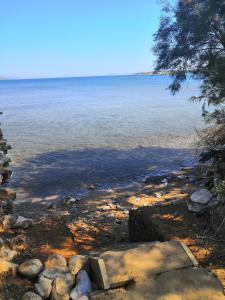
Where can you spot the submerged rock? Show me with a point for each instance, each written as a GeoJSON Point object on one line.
{"type": "Point", "coordinates": [31, 268]}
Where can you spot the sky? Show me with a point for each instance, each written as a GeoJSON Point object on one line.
{"type": "Point", "coordinates": [66, 38]}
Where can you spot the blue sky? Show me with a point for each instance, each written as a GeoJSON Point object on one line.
{"type": "Point", "coordinates": [57, 38]}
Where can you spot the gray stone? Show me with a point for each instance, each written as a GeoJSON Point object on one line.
{"type": "Point", "coordinates": [44, 286]}
{"type": "Point", "coordinates": [195, 207]}
{"type": "Point", "coordinates": [31, 268]}
{"type": "Point", "coordinates": [202, 196]}
{"type": "Point", "coordinates": [61, 287]}
{"type": "Point", "coordinates": [83, 286]}
{"type": "Point", "coordinates": [31, 296]}
{"type": "Point", "coordinates": [23, 223]}
{"type": "Point", "coordinates": [76, 263]}
{"type": "Point", "coordinates": [56, 261]}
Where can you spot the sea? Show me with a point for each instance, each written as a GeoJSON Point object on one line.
{"type": "Point", "coordinates": [69, 133]}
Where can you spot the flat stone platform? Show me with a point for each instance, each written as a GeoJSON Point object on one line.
{"type": "Point", "coordinates": [157, 270]}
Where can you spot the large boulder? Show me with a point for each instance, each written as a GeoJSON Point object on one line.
{"type": "Point", "coordinates": [202, 196]}
{"type": "Point", "coordinates": [199, 200]}
{"type": "Point", "coordinates": [31, 268]}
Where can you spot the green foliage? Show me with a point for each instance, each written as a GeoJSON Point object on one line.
{"type": "Point", "coordinates": [190, 41]}
{"type": "Point", "coordinates": [219, 188]}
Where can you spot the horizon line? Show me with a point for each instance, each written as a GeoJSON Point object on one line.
{"type": "Point", "coordinates": [2, 78]}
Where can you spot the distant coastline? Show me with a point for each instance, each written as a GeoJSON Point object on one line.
{"type": "Point", "coordinates": [154, 73]}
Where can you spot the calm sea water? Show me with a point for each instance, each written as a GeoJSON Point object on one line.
{"type": "Point", "coordinates": [69, 132]}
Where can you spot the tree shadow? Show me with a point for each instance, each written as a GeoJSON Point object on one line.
{"type": "Point", "coordinates": [52, 175]}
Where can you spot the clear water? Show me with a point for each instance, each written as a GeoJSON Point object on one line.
{"type": "Point", "coordinates": [69, 132]}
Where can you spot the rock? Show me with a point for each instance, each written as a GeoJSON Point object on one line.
{"type": "Point", "coordinates": [76, 263]}
{"type": "Point", "coordinates": [84, 297]}
{"type": "Point", "coordinates": [154, 179]}
{"type": "Point", "coordinates": [7, 254]}
{"type": "Point", "coordinates": [31, 296]}
{"type": "Point", "coordinates": [44, 286]}
{"type": "Point", "coordinates": [56, 261]}
{"type": "Point", "coordinates": [22, 223]}
{"type": "Point", "coordinates": [195, 207]}
{"type": "Point", "coordinates": [91, 187]}
{"type": "Point", "coordinates": [83, 286]}
{"type": "Point", "coordinates": [52, 273]}
{"type": "Point", "coordinates": [61, 287]}
{"type": "Point", "coordinates": [8, 267]}
{"type": "Point", "coordinates": [202, 196]}
{"type": "Point", "coordinates": [31, 268]}
{"type": "Point", "coordinates": [8, 221]}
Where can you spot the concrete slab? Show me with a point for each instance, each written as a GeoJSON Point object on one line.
{"type": "Point", "coordinates": [160, 271]}
{"type": "Point", "coordinates": [183, 284]}
{"type": "Point", "coordinates": [143, 260]}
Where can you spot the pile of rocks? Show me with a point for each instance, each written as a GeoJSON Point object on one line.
{"type": "Point", "coordinates": [57, 280]}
